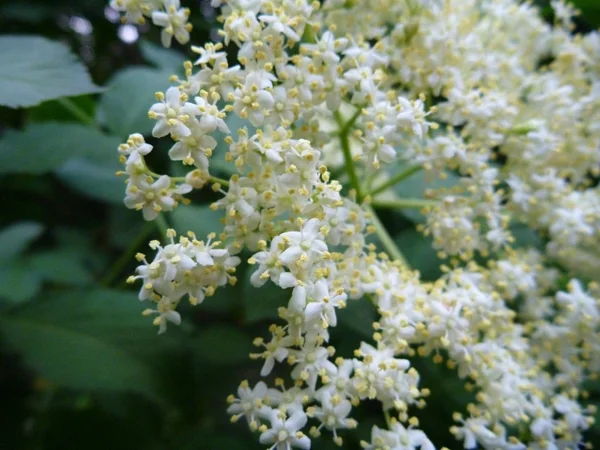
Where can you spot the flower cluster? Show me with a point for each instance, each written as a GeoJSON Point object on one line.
{"type": "Point", "coordinates": [335, 97]}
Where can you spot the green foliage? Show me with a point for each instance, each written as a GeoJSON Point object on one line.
{"type": "Point", "coordinates": [35, 69]}
{"type": "Point", "coordinates": [84, 340]}
{"type": "Point", "coordinates": [124, 107]}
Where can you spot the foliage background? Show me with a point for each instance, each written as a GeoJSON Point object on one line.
{"type": "Point", "coordinates": [79, 366]}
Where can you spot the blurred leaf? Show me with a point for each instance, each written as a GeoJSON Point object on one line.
{"type": "Point", "coordinates": [161, 57]}
{"type": "Point", "coordinates": [19, 283]}
{"type": "Point", "coordinates": [417, 185]}
{"type": "Point", "coordinates": [15, 238]}
{"type": "Point", "coordinates": [419, 253]}
{"type": "Point", "coordinates": [26, 11]}
{"type": "Point", "coordinates": [124, 107]}
{"type": "Point", "coordinates": [56, 110]}
{"type": "Point", "coordinates": [44, 147]}
{"type": "Point", "coordinates": [86, 340]}
{"type": "Point", "coordinates": [95, 180]}
{"type": "Point", "coordinates": [221, 344]}
{"type": "Point", "coordinates": [200, 219]}
{"type": "Point", "coordinates": [358, 316]}
{"type": "Point", "coordinates": [125, 224]}
{"type": "Point", "coordinates": [61, 266]}
{"type": "Point", "coordinates": [262, 303]}
{"type": "Point", "coordinates": [590, 10]}
{"type": "Point", "coordinates": [35, 69]}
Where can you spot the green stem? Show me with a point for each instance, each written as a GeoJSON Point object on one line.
{"type": "Point", "coordinates": [403, 203]}
{"type": "Point", "coordinates": [388, 420]}
{"type": "Point", "coordinates": [162, 224]}
{"type": "Point", "coordinates": [345, 143]}
{"type": "Point", "coordinates": [396, 179]}
{"type": "Point", "coordinates": [76, 110]}
{"type": "Point", "coordinates": [388, 243]}
{"type": "Point", "coordinates": [117, 268]}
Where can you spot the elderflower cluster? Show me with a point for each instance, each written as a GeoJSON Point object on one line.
{"type": "Point", "coordinates": [340, 101]}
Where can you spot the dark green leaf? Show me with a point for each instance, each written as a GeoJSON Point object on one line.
{"type": "Point", "coordinates": [359, 316]}
{"type": "Point", "coordinates": [19, 283]}
{"type": "Point", "coordinates": [95, 180]}
{"type": "Point", "coordinates": [35, 69]}
{"type": "Point", "coordinates": [62, 266]}
{"type": "Point", "coordinates": [44, 147]}
{"type": "Point", "coordinates": [221, 344]}
{"type": "Point", "coordinates": [86, 340]}
{"type": "Point", "coordinates": [15, 238]}
{"type": "Point", "coordinates": [262, 303]}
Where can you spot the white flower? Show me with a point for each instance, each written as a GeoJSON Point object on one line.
{"type": "Point", "coordinates": [173, 114]}
{"type": "Point", "coordinates": [286, 434]}
{"type": "Point", "coordinates": [165, 308]}
{"type": "Point", "coordinates": [250, 403]}
{"type": "Point", "coordinates": [303, 245]}
{"type": "Point", "coordinates": [321, 304]}
{"type": "Point", "coordinates": [153, 197]}
{"type": "Point", "coordinates": [173, 21]}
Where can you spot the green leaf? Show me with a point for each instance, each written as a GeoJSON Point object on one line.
{"type": "Point", "coordinates": [35, 69]}
{"type": "Point", "coordinates": [359, 316]}
{"type": "Point", "coordinates": [98, 181]}
{"type": "Point", "coordinates": [419, 253]}
{"type": "Point", "coordinates": [262, 303]}
{"type": "Point", "coordinates": [44, 147]}
{"type": "Point", "coordinates": [221, 344]}
{"type": "Point", "coordinates": [18, 283]}
{"type": "Point", "coordinates": [15, 238]}
{"type": "Point", "coordinates": [93, 340]}
{"type": "Point", "coordinates": [200, 219]}
{"type": "Point", "coordinates": [62, 266]}
{"type": "Point", "coordinates": [80, 109]}
{"type": "Point", "coordinates": [124, 107]}
{"type": "Point", "coordinates": [163, 58]}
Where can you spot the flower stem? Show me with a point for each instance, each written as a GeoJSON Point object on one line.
{"type": "Point", "coordinates": [162, 224]}
{"type": "Point", "coordinates": [403, 203]}
{"type": "Point", "coordinates": [345, 143]}
{"type": "Point", "coordinates": [396, 179]}
{"type": "Point", "coordinates": [387, 241]}
{"type": "Point", "coordinates": [116, 269]}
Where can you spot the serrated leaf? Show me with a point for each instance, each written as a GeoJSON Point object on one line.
{"type": "Point", "coordinates": [93, 340]}
{"type": "Point", "coordinates": [163, 58]}
{"type": "Point", "coordinates": [15, 238]}
{"type": "Point", "coordinates": [124, 107]}
{"type": "Point", "coordinates": [35, 69]}
{"type": "Point", "coordinates": [200, 219]}
{"type": "Point", "coordinates": [221, 344]}
{"type": "Point", "coordinates": [44, 147]}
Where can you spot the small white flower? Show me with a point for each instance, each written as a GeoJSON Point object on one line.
{"type": "Point", "coordinates": [173, 21]}
{"type": "Point", "coordinates": [286, 434]}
